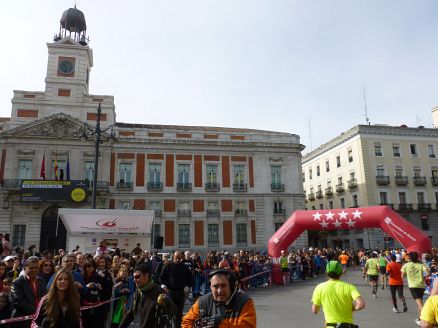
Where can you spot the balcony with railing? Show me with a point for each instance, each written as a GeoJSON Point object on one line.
{"type": "Point", "coordinates": [328, 192]}
{"type": "Point", "coordinates": [184, 213]}
{"type": "Point", "coordinates": [158, 213]}
{"type": "Point", "coordinates": [183, 186]}
{"type": "Point", "coordinates": [11, 184]}
{"type": "Point", "coordinates": [240, 187]}
{"type": "Point", "coordinates": [213, 213]}
{"type": "Point", "coordinates": [382, 180]}
{"type": "Point", "coordinates": [424, 207]}
{"type": "Point", "coordinates": [405, 207]}
{"type": "Point", "coordinates": [124, 185]}
{"type": "Point", "coordinates": [434, 181]}
{"type": "Point", "coordinates": [401, 180]}
{"type": "Point", "coordinates": [155, 186]}
{"type": "Point", "coordinates": [279, 211]}
{"type": "Point", "coordinates": [340, 188]}
{"type": "Point", "coordinates": [319, 194]}
{"type": "Point", "coordinates": [240, 212]}
{"type": "Point", "coordinates": [277, 187]}
{"type": "Point", "coordinates": [352, 184]}
{"type": "Point", "coordinates": [391, 206]}
{"type": "Point", "coordinates": [311, 196]}
{"type": "Point", "coordinates": [212, 186]}
{"type": "Point", "coordinates": [420, 181]}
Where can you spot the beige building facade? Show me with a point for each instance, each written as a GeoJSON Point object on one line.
{"type": "Point", "coordinates": [210, 187]}
{"type": "Point", "coordinates": [371, 165]}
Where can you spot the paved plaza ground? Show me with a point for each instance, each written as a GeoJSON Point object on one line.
{"type": "Point", "coordinates": [290, 306]}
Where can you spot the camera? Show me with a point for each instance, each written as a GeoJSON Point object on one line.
{"type": "Point", "coordinates": [209, 322]}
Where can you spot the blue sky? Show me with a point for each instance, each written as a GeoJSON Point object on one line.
{"type": "Point", "coordinates": [271, 65]}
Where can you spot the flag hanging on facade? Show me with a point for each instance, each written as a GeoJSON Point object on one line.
{"type": "Point", "coordinates": [43, 167]}
{"type": "Point", "coordinates": [68, 167]}
{"type": "Point", "coordinates": [55, 169]}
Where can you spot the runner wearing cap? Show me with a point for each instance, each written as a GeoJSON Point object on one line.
{"type": "Point", "coordinates": [338, 298]}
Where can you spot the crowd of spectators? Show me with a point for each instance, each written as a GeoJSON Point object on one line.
{"type": "Point", "coordinates": [106, 275]}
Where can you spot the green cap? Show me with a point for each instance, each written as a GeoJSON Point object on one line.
{"type": "Point", "coordinates": [334, 266]}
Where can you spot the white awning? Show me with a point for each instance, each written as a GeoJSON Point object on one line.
{"type": "Point", "coordinates": [79, 221]}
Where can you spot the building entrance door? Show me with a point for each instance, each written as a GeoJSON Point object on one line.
{"type": "Point", "coordinates": [49, 237]}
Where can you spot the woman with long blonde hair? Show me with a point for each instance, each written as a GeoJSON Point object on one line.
{"type": "Point", "coordinates": [60, 307]}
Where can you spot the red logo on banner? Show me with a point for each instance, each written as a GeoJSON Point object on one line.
{"type": "Point", "coordinates": [107, 223]}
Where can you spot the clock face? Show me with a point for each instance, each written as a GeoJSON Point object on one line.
{"type": "Point", "coordinates": [66, 67]}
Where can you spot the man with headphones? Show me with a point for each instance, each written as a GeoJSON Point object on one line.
{"type": "Point", "coordinates": [338, 299]}
{"type": "Point", "coordinates": [225, 306]}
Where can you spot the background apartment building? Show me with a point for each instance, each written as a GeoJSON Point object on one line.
{"type": "Point", "coordinates": [220, 188]}
{"type": "Point", "coordinates": [371, 165]}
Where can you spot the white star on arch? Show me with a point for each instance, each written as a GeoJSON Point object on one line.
{"type": "Point", "coordinates": [337, 224]}
{"type": "Point", "coordinates": [324, 224]}
{"type": "Point", "coordinates": [316, 216]}
{"type": "Point", "coordinates": [357, 214]}
{"type": "Point", "coordinates": [329, 215]}
{"type": "Point", "coordinates": [343, 215]}
{"type": "Point", "coordinates": [350, 223]}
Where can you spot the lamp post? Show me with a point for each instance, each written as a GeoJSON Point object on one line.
{"type": "Point", "coordinates": [97, 132]}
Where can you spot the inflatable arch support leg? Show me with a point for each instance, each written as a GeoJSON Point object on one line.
{"type": "Point", "coordinates": [409, 236]}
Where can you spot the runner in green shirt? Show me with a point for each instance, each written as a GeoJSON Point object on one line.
{"type": "Point", "coordinates": [337, 298]}
{"type": "Point", "coordinates": [372, 270]}
{"type": "Point", "coordinates": [383, 262]}
{"type": "Point", "coordinates": [415, 271]}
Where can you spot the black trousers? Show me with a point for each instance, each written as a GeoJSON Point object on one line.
{"type": "Point", "coordinates": [177, 297]}
{"type": "Point", "coordinates": [399, 290]}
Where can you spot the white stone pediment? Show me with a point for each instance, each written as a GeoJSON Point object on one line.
{"type": "Point", "coordinates": [58, 125]}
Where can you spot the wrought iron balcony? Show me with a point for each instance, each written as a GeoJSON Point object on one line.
{"type": "Point", "coordinates": [155, 186]}
{"type": "Point", "coordinates": [328, 192]}
{"type": "Point", "coordinates": [280, 211]}
{"type": "Point", "coordinates": [434, 181]}
{"type": "Point", "coordinates": [382, 180]}
{"type": "Point", "coordinates": [101, 185]}
{"type": "Point", "coordinates": [183, 186]}
{"type": "Point", "coordinates": [11, 184]}
{"type": "Point", "coordinates": [121, 185]}
{"type": "Point", "coordinates": [277, 187]}
{"type": "Point", "coordinates": [311, 196]}
{"type": "Point", "coordinates": [404, 207]}
{"type": "Point", "coordinates": [424, 207]}
{"type": "Point", "coordinates": [401, 180]}
{"type": "Point", "coordinates": [213, 213]}
{"type": "Point", "coordinates": [420, 181]}
{"type": "Point", "coordinates": [340, 188]}
{"type": "Point", "coordinates": [391, 206]}
{"type": "Point", "coordinates": [352, 184]}
{"type": "Point", "coordinates": [212, 186]}
{"type": "Point", "coordinates": [319, 194]}
{"type": "Point", "coordinates": [241, 212]}
{"type": "Point", "coordinates": [240, 187]}
{"type": "Point", "coordinates": [184, 213]}
{"type": "Point", "coordinates": [158, 212]}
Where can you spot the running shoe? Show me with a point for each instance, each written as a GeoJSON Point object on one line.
{"type": "Point", "coordinates": [383, 286]}
{"type": "Point", "coordinates": [405, 307]}
{"type": "Point", "coordinates": [418, 322]}
{"type": "Point", "coordinates": [395, 310]}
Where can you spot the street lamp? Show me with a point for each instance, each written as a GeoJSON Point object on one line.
{"type": "Point", "coordinates": [97, 132]}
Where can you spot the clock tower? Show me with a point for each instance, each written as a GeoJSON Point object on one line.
{"type": "Point", "coordinates": [70, 60]}
{"type": "Point", "coordinates": [67, 80]}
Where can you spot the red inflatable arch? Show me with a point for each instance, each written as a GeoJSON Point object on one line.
{"type": "Point", "coordinates": [410, 237]}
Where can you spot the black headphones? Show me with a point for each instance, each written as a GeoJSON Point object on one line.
{"type": "Point", "coordinates": [232, 279]}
